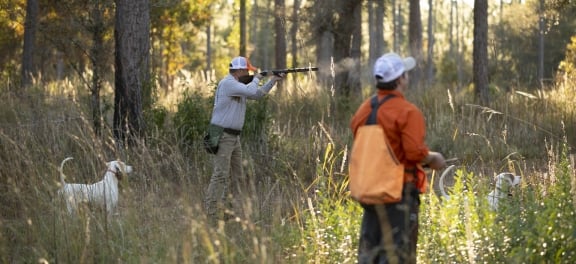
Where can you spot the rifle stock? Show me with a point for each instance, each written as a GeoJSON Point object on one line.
{"type": "Point", "coordinates": [248, 78]}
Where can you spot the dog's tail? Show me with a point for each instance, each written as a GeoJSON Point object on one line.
{"type": "Point", "coordinates": [62, 176]}
{"type": "Point", "coordinates": [441, 181]}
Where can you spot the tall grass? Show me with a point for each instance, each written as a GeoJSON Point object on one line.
{"type": "Point", "coordinates": [293, 207]}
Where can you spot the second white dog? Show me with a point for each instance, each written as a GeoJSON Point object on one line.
{"type": "Point", "coordinates": [103, 194]}
{"type": "Point", "coordinates": [504, 183]}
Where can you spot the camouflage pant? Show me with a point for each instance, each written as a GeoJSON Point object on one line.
{"type": "Point", "coordinates": [389, 232]}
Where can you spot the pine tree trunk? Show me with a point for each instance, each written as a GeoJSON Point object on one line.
{"type": "Point", "coordinates": [132, 76]}
{"type": "Point", "coordinates": [415, 39]}
{"type": "Point", "coordinates": [28, 71]}
{"type": "Point", "coordinates": [480, 53]}
{"type": "Point", "coordinates": [430, 60]}
{"type": "Point", "coordinates": [294, 36]}
{"type": "Point", "coordinates": [96, 53]}
{"type": "Point", "coordinates": [280, 40]}
{"type": "Point", "coordinates": [242, 51]}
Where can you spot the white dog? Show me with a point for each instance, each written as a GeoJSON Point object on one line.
{"type": "Point", "coordinates": [504, 183]}
{"type": "Point", "coordinates": [103, 193]}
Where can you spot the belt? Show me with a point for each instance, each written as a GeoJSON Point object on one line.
{"type": "Point", "coordinates": [233, 131]}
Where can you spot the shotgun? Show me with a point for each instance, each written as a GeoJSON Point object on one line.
{"type": "Point", "coordinates": [248, 78]}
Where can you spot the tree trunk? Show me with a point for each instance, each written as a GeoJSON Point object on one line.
{"type": "Point", "coordinates": [372, 54]}
{"type": "Point", "coordinates": [480, 53]}
{"type": "Point", "coordinates": [208, 48]}
{"type": "Point", "coordinates": [324, 41]}
{"type": "Point", "coordinates": [415, 39]}
{"type": "Point", "coordinates": [132, 76]}
{"type": "Point", "coordinates": [96, 54]}
{"type": "Point", "coordinates": [294, 36]}
{"type": "Point", "coordinates": [541, 29]}
{"type": "Point", "coordinates": [344, 33]}
{"type": "Point", "coordinates": [380, 44]}
{"type": "Point", "coordinates": [376, 36]}
{"type": "Point", "coordinates": [458, 55]}
{"type": "Point", "coordinates": [242, 28]}
{"type": "Point", "coordinates": [398, 24]}
{"type": "Point", "coordinates": [28, 69]}
{"type": "Point", "coordinates": [354, 74]}
{"type": "Point", "coordinates": [430, 63]}
{"type": "Point", "coordinates": [451, 48]}
{"type": "Point", "coordinates": [280, 40]}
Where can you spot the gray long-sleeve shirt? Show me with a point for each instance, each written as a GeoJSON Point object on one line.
{"type": "Point", "coordinates": [230, 100]}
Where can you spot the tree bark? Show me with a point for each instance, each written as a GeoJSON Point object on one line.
{"type": "Point", "coordinates": [458, 47]}
{"type": "Point", "coordinates": [208, 48]}
{"type": "Point", "coordinates": [354, 73]}
{"type": "Point", "coordinates": [132, 76]}
{"type": "Point", "coordinates": [480, 53]}
{"type": "Point", "coordinates": [242, 51]}
{"type": "Point", "coordinates": [30, 24]}
{"type": "Point", "coordinates": [398, 23]}
{"type": "Point", "coordinates": [344, 32]}
{"type": "Point", "coordinates": [294, 36]}
{"type": "Point", "coordinates": [430, 60]}
{"type": "Point", "coordinates": [280, 38]}
{"type": "Point", "coordinates": [541, 29]}
{"type": "Point", "coordinates": [324, 38]}
{"type": "Point", "coordinates": [97, 29]}
{"type": "Point", "coordinates": [375, 20]}
{"type": "Point", "coordinates": [415, 40]}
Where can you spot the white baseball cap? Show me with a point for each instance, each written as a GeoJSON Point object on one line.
{"type": "Point", "coordinates": [241, 63]}
{"type": "Point", "coordinates": [390, 66]}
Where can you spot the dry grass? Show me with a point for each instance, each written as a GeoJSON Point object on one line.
{"type": "Point", "coordinates": [299, 167]}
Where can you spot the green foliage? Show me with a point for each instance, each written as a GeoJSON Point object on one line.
{"type": "Point", "coordinates": [528, 228]}
{"type": "Point", "coordinates": [257, 122]}
{"type": "Point", "coordinates": [553, 233]}
{"type": "Point", "coordinates": [517, 35]}
{"type": "Point", "coordinates": [192, 118]}
{"type": "Point", "coordinates": [296, 209]}
{"type": "Point", "coordinates": [156, 118]}
{"type": "Point", "coordinates": [455, 227]}
{"type": "Point", "coordinates": [331, 220]}
{"type": "Point", "coordinates": [568, 65]}
{"type": "Point", "coordinates": [11, 30]}
{"type": "Point", "coordinates": [175, 25]}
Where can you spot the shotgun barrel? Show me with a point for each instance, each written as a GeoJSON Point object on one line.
{"type": "Point", "coordinates": [248, 78]}
{"type": "Point", "coordinates": [290, 70]}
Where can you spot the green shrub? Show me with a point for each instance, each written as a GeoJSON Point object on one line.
{"type": "Point", "coordinates": [551, 232]}
{"type": "Point", "coordinates": [192, 118]}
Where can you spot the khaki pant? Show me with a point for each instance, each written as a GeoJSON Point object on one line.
{"type": "Point", "coordinates": [227, 171]}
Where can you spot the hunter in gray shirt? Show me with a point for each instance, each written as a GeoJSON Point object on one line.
{"type": "Point", "coordinates": [225, 128]}
{"type": "Point", "coordinates": [230, 100]}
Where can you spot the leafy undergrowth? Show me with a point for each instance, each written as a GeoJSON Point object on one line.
{"type": "Point", "coordinates": [294, 206]}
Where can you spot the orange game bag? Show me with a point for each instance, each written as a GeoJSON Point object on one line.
{"type": "Point", "coordinates": [376, 175]}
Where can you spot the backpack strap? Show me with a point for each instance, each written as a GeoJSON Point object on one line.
{"type": "Point", "coordinates": [375, 105]}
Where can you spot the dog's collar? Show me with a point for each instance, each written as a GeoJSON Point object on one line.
{"type": "Point", "coordinates": [117, 174]}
